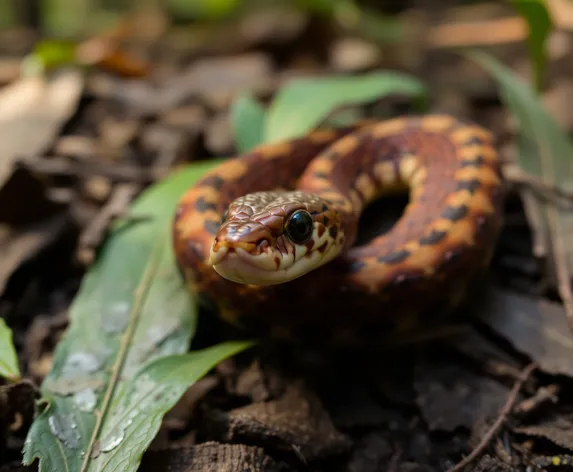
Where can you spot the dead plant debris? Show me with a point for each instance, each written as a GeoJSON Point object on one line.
{"type": "Point", "coordinates": [78, 147]}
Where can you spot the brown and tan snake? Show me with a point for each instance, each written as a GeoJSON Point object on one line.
{"type": "Point", "coordinates": [268, 237]}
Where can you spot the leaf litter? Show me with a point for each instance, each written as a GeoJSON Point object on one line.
{"type": "Point", "coordinates": [398, 430]}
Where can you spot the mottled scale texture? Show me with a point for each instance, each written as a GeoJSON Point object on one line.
{"type": "Point", "coordinates": [411, 276]}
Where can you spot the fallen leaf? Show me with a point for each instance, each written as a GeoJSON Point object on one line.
{"type": "Point", "coordinates": [451, 396]}
{"type": "Point", "coordinates": [120, 366]}
{"type": "Point", "coordinates": [297, 420]}
{"type": "Point", "coordinates": [303, 103]}
{"type": "Point", "coordinates": [135, 414]}
{"type": "Point", "coordinates": [32, 113]}
{"type": "Point", "coordinates": [535, 327]}
{"type": "Point", "coordinates": [558, 430]}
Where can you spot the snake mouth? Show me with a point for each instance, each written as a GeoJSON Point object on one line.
{"type": "Point", "coordinates": [240, 266]}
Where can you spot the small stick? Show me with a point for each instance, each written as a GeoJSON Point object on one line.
{"type": "Point", "coordinates": [542, 396]}
{"type": "Point", "coordinates": [61, 166]}
{"type": "Point", "coordinates": [518, 177]}
{"type": "Point", "coordinates": [116, 206]}
{"type": "Point", "coordinates": [511, 399]}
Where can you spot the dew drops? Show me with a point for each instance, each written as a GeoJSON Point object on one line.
{"type": "Point", "coordinates": [144, 383]}
{"type": "Point", "coordinates": [158, 333]}
{"type": "Point", "coordinates": [80, 363]}
{"type": "Point", "coordinates": [120, 308]}
{"type": "Point", "coordinates": [85, 400]}
{"type": "Point", "coordinates": [112, 440]}
{"type": "Point", "coordinates": [117, 317]}
{"type": "Point", "coordinates": [65, 429]}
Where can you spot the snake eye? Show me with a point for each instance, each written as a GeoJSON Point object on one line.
{"type": "Point", "coordinates": [225, 215]}
{"type": "Point", "coordinates": [299, 227]}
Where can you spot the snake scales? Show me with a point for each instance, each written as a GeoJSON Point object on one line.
{"type": "Point", "coordinates": [269, 237]}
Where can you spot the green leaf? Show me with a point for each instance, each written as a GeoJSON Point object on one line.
{"type": "Point", "coordinates": [53, 53]}
{"type": "Point", "coordinates": [541, 137]}
{"type": "Point", "coordinates": [247, 120]}
{"type": "Point", "coordinates": [135, 414]}
{"type": "Point", "coordinates": [8, 358]}
{"type": "Point", "coordinates": [132, 309]}
{"type": "Point", "coordinates": [545, 150]}
{"type": "Point", "coordinates": [539, 23]}
{"type": "Point", "coordinates": [303, 103]}
{"type": "Point", "coordinates": [203, 9]}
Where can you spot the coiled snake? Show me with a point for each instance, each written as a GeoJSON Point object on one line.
{"type": "Point", "coordinates": [269, 237]}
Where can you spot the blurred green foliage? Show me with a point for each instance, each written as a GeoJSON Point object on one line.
{"type": "Point", "coordinates": [7, 17]}
{"type": "Point", "coordinates": [203, 9]}
{"type": "Point", "coordinates": [78, 18]}
{"type": "Point", "coordinates": [538, 19]}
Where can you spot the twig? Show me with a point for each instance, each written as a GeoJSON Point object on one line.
{"type": "Point", "coordinates": [61, 166]}
{"type": "Point", "coordinates": [511, 399]}
{"type": "Point", "coordinates": [542, 396]}
{"type": "Point", "coordinates": [92, 236]}
{"type": "Point", "coordinates": [516, 175]}
{"type": "Point", "coordinates": [499, 31]}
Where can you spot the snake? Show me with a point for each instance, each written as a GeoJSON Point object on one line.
{"type": "Point", "coordinates": [268, 238]}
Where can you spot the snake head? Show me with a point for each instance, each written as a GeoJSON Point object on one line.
{"type": "Point", "coordinates": [268, 238]}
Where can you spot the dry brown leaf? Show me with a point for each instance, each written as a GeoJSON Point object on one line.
{"type": "Point", "coordinates": [32, 112]}
{"type": "Point", "coordinates": [537, 328]}
{"type": "Point", "coordinates": [295, 421]}
{"type": "Point", "coordinates": [558, 430]}
{"type": "Point", "coordinates": [451, 396]}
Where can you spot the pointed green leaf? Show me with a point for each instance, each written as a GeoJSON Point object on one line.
{"type": "Point", "coordinates": [545, 150]}
{"type": "Point", "coordinates": [247, 121]}
{"type": "Point", "coordinates": [539, 23]}
{"type": "Point", "coordinates": [8, 358]}
{"type": "Point", "coordinates": [541, 137]}
{"type": "Point", "coordinates": [132, 309]}
{"type": "Point", "coordinates": [137, 408]}
{"type": "Point", "coordinates": [303, 103]}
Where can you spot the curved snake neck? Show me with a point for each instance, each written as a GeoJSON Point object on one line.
{"type": "Point", "coordinates": [424, 264]}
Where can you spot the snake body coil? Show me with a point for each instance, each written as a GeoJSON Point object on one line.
{"type": "Point", "coordinates": [269, 236]}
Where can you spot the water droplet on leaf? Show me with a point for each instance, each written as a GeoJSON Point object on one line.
{"type": "Point", "coordinates": [80, 363]}
{"type": "Point", "coordinates": [112, 440]}
{"type": "Point", "coordinates": [65, 429]}
{"type": "Point", "coordinates": [116, 317]}
{"type": "Point", "coordinates": [85, 400]}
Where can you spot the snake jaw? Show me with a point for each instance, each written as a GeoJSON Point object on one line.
{"type": "Point", "coordinates": [277, 262]}
{"type": "Point", "coordinates": [217, 254]}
